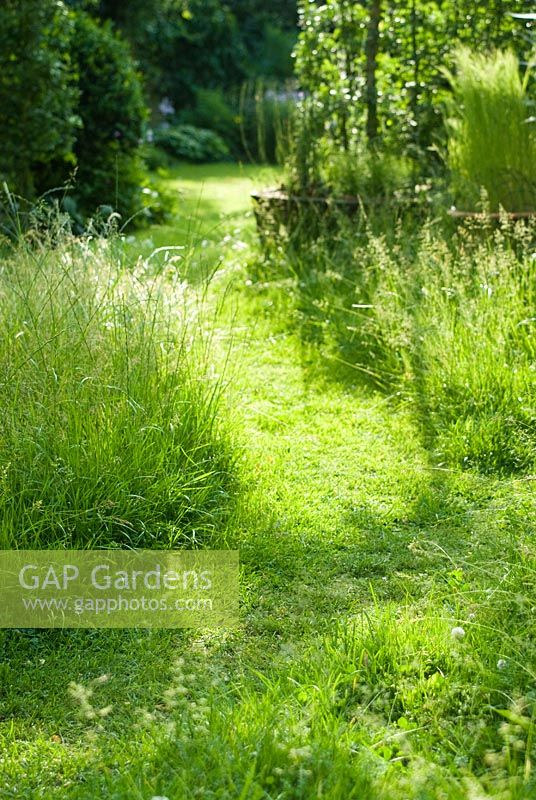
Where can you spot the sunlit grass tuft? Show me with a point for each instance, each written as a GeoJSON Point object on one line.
{"type": "Point", "coordinates": [109, 434]}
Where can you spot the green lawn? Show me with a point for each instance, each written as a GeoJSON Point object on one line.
{"type": "Point", "coordinates": [348, 676]}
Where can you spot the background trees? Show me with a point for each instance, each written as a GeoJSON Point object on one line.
{"type": "Point", "coordinates": [335, 53]}
{"type": "Point", "coordinates": [76, 78]}
{"type": "Point", "coordinates": [186, 45]}
{"type": "Point", "coordinates": [77, 75]}
{"type": "Point", "coordinates": [374, 73]}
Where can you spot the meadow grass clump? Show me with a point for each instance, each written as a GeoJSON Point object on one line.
{"type": "Point", "coordinates": [466, 339]}
{"type": "Point", "coordinates": [109, 431]}
{"type": "Point", "coordinates": [492, 143]}
{"type": "Point", "coordinates": [445, 323]}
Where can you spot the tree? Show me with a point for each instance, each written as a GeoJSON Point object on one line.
{"type": "Point", "coordinates": [371, 51]}
{"type": "Point", "coordinates": [185, 45]}
{"type": "Point", "coordinates": [374, 67]}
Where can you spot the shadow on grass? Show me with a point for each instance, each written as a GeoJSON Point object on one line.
{"type": "Point", "coordinates": [394, 555]}
{"type": "Point", "coordinates": [295, 582]}
{"type": "Point", "coordinates": [359, 328]}
{"type": "Point", "coordinates": [296, 585]}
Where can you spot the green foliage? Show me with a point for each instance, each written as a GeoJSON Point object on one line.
{"type": "Point", "coordinates": [250, 119]}
{"type": "Point", "coordinates": [415, 37]}
{"type": "Point", "coordinates": [419, 36]}
{"type": "Point", "coordinates": [198, 54]}
{"type": "Point", "coordinates": [109, 429]}
{"type": "Point", "coordinates": [492, 143]}
{"type": "Point", "coordinates": [468, 316]}
{"type": "Point", "coordinates": [264, 115]}
{"type": "Point", "coordinates": [273, 58]}
{"type": "Point", "coordinates": [72, 104]}
{"type": "Point", "coordinates": [214, 109]}
{"type": "Point", "coordinates": [112, 111]}
{"type": "Point", "coordinates": [375, 175]}
{"type": "Point", "coordinates": [197, 145]}
{"type": "Point", "coordinates": [184, 45]}
{"type": "Point", "coordinates": [254, 15]}
{"type": "Point", "coordinates": [38, 91]}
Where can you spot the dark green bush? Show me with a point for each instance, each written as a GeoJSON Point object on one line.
{"type": "Point", "coordinates": [112, 111]}
{"type": "Point", "coordinates": [71, 102]}
{"type": "Point", "coordinates": [192, 144]}
{"type": "Point", "coordinates": [249, 118]}
{"type": "Point", "coordinates": [274, 55]}
{"type": "Point", "coordinates": [38, 93]}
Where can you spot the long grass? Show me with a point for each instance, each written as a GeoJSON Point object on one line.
{"type": "Point", "coordinates": [109, 433]}
{"type": "Point", "coordinates": [471, 348]}
{"type": "Point", "coordinates": [492, 142]}
{"type": "Point", "coordinates": [445, 324]}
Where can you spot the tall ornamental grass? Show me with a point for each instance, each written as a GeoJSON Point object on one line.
{"type": "Point", "coordinates": [492, 142]}
{"type": "Point", "coordinates": [109, 423]}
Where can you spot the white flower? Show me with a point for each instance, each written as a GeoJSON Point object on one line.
{"type": "Point", "coordinates": [297, 753]}
{"type": "Point", "coordinates": [166, 107]}
{"type": "Point", "coordinates": [502, 664]}
{"type": "Point", "coordinates": [457, 633]}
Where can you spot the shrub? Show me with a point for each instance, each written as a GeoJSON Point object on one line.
{"type": "Point", "coordinates": [72, 103]}
{"type": "Point", "coordinates": [375, 175]}
{"type": "Point", "coordinates": [192, 144]}
{"type": "Point", "coordinates": [112, 111]}
{"type": "Point", "coordinates": [492, 144]}
{"type": "Point", "coordinates": [215, 111]}
{"type": "Point", "coordinates": [274, 55]}
{"type": "Point", "coordinates": [38, 93]}
{"type": "Point", "coordinates": [109, 433]}
{"type": "Point", "coordinates": [249, 118]}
